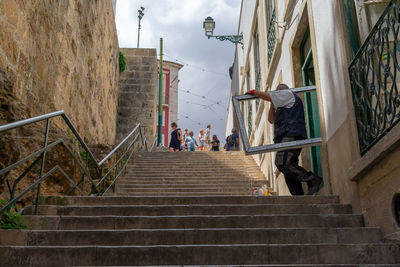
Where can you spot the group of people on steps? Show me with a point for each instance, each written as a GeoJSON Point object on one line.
{"type": "Point", "coordinates": [186, 141]}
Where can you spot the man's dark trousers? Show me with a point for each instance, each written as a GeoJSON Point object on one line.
{"type": "Point", "coordinates": [287, 162]}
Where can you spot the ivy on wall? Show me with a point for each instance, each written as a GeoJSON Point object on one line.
{"type": "Point", "coordinates": [122, 61]}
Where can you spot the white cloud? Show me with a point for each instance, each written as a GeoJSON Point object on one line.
{"type": "Point", "coordinates": [180, 23]}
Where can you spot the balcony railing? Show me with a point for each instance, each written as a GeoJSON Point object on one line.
{"type": "Point", "coordinates": [374, 78]}
{"type": "Point", "coordinates": [271, 36]}
{"type": "Point", "coordinates": [250, 119]}
{"type": "Point", "coordinates": [258, 87]}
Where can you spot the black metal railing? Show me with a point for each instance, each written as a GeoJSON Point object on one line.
{"type": "Point", "coordinates": [258, 86]}
{"type": "Point", "coordinates": [374, 79]}
{"type": "Point", "coordinates": [271, 36]}
{"type": "Point", "coordinates": [106, 174]}
{"type": "Point", "coordinates": [249, 118]}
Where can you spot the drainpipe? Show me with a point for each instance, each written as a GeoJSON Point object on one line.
{"type": "Point", "coordinates": [160, 92]}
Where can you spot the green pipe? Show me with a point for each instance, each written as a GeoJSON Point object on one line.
{"type": "Point", "coordinates": [160, 92]}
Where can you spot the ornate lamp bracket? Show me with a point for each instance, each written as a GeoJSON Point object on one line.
{"type": "Point", "coordinates": [236, 39]}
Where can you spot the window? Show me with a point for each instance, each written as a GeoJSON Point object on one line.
{"type": "Point", "coordinates": [249, 108]}
{"type": "Point", "coordinates": [271, 35]}
{"type": "Point", "coordinates": [257, 68]}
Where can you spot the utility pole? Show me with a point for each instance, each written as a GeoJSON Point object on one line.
{"type": "Point", "coordinates": [140, 16]}
{"type": "Point", "coordinates": [160, 94]}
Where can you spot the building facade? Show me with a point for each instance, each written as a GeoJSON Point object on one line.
{"type": "Point", "coordinates": [170, 98]}
{"type": "Point", "coordinates": [348, 50]}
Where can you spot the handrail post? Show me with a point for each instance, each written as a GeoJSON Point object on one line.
{"type": "Point", "coordinates": [144, 141]}
{"type": "Point", "coordinates": [46, 137]}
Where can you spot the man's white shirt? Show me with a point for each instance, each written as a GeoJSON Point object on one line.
{"type": "Point", "coordinates": [282, 98]}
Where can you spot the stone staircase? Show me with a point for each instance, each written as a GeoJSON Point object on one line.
{"type": "Point", "coordinates": [190, 174]}
{"type": "Point", "coordinates": [156, 219]}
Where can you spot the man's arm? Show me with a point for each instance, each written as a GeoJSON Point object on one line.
{"type": "Point", "coordinates": [271, 113]}
{"type": "Point", "coordinates": [265, 96]}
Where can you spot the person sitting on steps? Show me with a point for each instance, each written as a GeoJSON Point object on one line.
{"type": "Point", "coordinates": [286, 113]}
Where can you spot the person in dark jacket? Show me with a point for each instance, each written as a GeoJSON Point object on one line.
{"type": "Point", "coordinates": [286, 113]}
{"type": "Point", "coordinates": [176, 138]}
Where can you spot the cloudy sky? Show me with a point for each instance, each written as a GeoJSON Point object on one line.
{"type": "Point", "coordinates": [206, 62]}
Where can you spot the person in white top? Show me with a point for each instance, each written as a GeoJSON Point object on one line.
{"type": "Point", "coordinates": [207, 132]}
{"type": "Point", "coordinates": [286, 113]}
{"type": "Point", "coordinates": [202, 140]}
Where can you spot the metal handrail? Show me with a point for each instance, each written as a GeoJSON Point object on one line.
{"type": "Point", "coordinates": [154, 143]}
{"type": "Point", "coordinates": [41, 153]}
{"type": "Point", "coordinates": [273, 147]}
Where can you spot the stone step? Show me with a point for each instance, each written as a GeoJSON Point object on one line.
{"type": "Point", "coordinates": [196, 154]}
{"type": "Point", "coordinates": [199, 209]}
{"type": "Point", "coordinates": [277, 265]}
{"type": "Point", "coordinates": [155, 180]}
{"type": "Point", "coordinates": [189, 182]}
{"type": "Point", "coordinates": [200, 254]}
{"type": "Point", "coordinates": [157, 185]}
{"type": "Point", "coordinates": [114, 200]}
{"type": "Point", "coordinates": [198, 162]}
{"type": "Point", "coordinates": [209, 189]}
{"type": "Point", "coordinates": [180, 184]}
{"type": "Point", "coordinates": [193, 159]}
{"type": "Point", "coordinates": [204, 153]}
{"type": "Point", "coordinates": [191, 221]}
{"type": "Point", "coordinates": [130, 176]}
{"type": "Point", "coordinates": [185, 172]}
{"type": "Point", "coordinates": [181, 194]}
{"type": "Point", "coordinates": [166, 162]}
{"type": "Point", "coordinates": [208, 179]}
{"type": "Point", "coordinates": [145, 237]}
{"type": "Point", "coordinates": [195, 171]}
{"type": "Point", "coordinates": [237, 178]}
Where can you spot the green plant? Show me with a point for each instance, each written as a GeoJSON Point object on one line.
{"type": "Point", "coordinates": [84, 155]}
{"type": "Point", "coordinates": [89, 61]}
{"type": "Point", "coordinates": [117, 126]}
{"type": "Point", "coordinates": [71, 135]}
{"type": "Point", "coordinates": [11, 219]}
{"type": "Point", "coordinates": [122, 61]}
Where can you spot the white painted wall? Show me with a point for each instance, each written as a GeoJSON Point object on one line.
{"type": "Point", "coordinates": [330, 62]}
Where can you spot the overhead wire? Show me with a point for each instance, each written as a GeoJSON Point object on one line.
{"type": "Point", "coordinates": [197, 67]}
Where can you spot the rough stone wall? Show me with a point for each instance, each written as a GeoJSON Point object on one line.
{"type": "Point", "coordinates": [138, 93]}
{"type": "Point", "coordinates": [377, 189]}
{"type": "Point", "coordinates": [63, 55]}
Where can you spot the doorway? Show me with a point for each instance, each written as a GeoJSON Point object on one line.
{"type": "Point", "coordinates": [311, 102]}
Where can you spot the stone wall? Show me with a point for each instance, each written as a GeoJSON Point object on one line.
{"type": "Point", "coordinates": [377, 188]}
{"type": "Point", "coordinates": [138, 93]}
{"type": "Point", "coordinates": [63, 55]}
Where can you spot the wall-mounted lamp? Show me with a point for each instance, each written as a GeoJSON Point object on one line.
{"type": "Point", "coordinates": [209, 26]}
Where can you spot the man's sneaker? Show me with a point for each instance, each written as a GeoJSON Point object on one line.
{"type": "Point", "coordinates": [317, 184]}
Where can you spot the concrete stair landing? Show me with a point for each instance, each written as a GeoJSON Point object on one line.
{"type": "Point", "coordinates": [142, 226]}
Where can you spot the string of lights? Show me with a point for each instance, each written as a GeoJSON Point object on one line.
{"type": "Point", "coordinates": [197, 67]}
{"type": "Point", "coordinates": [196, 95]}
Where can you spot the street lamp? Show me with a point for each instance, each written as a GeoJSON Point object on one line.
{"type": "Point", "coordinates": [140, 16]}
{"type": "Point", "coordinates": [209, 26]}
